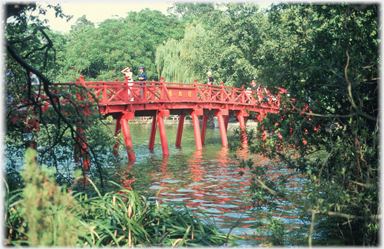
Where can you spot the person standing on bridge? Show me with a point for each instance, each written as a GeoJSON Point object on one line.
{"type": "Point", "coordinates": [35, 82]}
{"type": "Point", "coordinates": [127, 72]}
{"type": "Point", "coordinates": [210, 79]}
{"type": "Point", "coordinates": [254, 86]}
{"type": "Point", "coordinates": [142, 77]}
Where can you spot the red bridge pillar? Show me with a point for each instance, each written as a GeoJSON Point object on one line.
{"type": "Point", "coordinates": [163, 135]}
{"type": "Point", "coordinates": [196, 127]}
{"type": "Point", "coordinates": [180, 130]}
{"type": "Point", "coordinates": [219, 114]}
{"type": "Point", "coordinates": [204, 128]}
{"type": "Point", "coordinates": [127, 134]}
{"type": "Point", "coordinates": [240, 116]}
{"type": "Point", "coordinates": [151, 144]}
{"type": "Point", "coordinates": [81, 137]}
{"type": "Point", "coordinates": [226, 120]}
{"type": "Point", "coordinates": [32, 125]}
{"type": "Point", "coordinates": [117, 132]}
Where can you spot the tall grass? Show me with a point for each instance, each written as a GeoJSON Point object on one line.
{"type": "Point", "coordinates": [46, 214]}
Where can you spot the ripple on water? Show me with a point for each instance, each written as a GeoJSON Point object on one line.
{"type": "Point", "coordinates": [212, 211]}
{"type": "Point", "coordinates": [177, 199]}
{"type": "Point", "coordinates": [171, 181]}
{"type": "Point", "coordinates": [199, 201]}
{"type": "Point", "coordinates": [157, 187]}
{"type": "Point", "coordinates": [227, 206]}
{"type": "Point", "coordinates": [185, 190]}
{"type": "Point", "coordinates": [195, 184]}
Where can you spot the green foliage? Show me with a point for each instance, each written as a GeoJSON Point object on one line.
{"type": "Point", "coordinates": [191, 10]}
{"type": "Point", "coordinates": [47, 209]}
{"type": "Point", "coordinates": [221, 42]}
{"type": "Point", "coordinates": [100, 53]}
{"type": "Point", "coordinates": [326, 56]}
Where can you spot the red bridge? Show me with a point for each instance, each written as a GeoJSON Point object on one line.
{"type": "Point", "coordinates": [124, 102]}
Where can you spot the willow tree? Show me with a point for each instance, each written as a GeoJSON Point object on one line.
{"type": "Point", "coordinates": [181, 61]}
{"type": "Point", "coordinates": [220, 41]}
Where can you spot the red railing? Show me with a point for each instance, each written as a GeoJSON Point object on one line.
{"type": "Point", "coordinates": [119, 92]}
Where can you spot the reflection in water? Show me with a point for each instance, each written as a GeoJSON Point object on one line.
{"type": "Point", "coordinates": [207, 180]}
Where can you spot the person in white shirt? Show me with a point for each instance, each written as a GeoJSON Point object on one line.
{"type": "Point", "coordinates": [34, 80]}
{"type": "Point", "coordinates": [127, 72]}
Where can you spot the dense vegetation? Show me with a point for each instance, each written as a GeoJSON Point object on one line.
{"type": "Point", "coordinates": [325, 55]}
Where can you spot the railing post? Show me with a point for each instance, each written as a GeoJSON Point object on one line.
{"type": "Point", "coordinates": [195, 86]}
{"type": "Point", "coordinates": [144, 91]}
{"type": "Point", "coordinates": [222, 91]}
{"type": "Point", "coordinates": [105, 94]}
{"type": "Point", "coordinates": [126, 93]}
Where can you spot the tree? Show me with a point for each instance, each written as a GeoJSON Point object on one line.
{"type": "Point", "coordinates": [221, 42]}
{"type": "Point", "coordinates": [326, 56]}
{"type": "Point", "coordinates": [100, 53]}
{"type": "Point", "coordinates": [191, 10]}
{"type": "Point", "coordinates": [29, 48]}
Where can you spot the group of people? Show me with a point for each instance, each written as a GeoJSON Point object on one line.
{"type": "Point", "coordinates": [142, 76]}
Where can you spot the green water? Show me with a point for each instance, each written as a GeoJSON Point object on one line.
{"type": "Point", "coordinates": [210, 180]}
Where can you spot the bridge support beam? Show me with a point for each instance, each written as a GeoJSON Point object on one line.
{"type": "Point", "coordinates": [196, 127]}
{"type": "Point", "coordinates": [127, 134]}
{"type": "Point", "coordinates": [32, 125]}
{"type": "Point", "coordinates": [163, 135]}
{"type": "Point", "coordinates": [83, 151]}
{"type": "Point", "coordinates": [180, 130]}
{"type": "Point", "coordinates": [226, 120]}
{"type": "Point", "coordinates": [219, 114]}
{"type": "Point", "coordinates": [117, 132]}
{"type": "Point", "coordinates": [243, 135]}
{"type": "Point", "coordinates": [151, 144]}
{"type": "Point", "coordinates": [204, 128]}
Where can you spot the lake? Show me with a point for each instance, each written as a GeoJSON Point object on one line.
{"type": "Point", "coordinates": [209, 180]}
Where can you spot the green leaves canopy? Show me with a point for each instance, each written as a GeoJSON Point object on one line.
{"type": "Point", "coordinates": [101, 53]}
